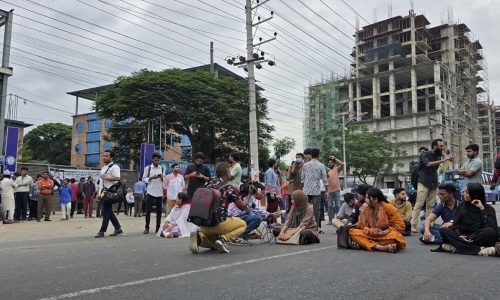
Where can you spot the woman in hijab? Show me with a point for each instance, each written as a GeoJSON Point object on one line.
{"type": "Point", "coordinates": [474, 229]}
{"type": "Point", "coordinates": [176, 224]}
{"type": "Point", "coordinates": [380, 226]}
{"type": "Point", "coordinates": [300, 219]}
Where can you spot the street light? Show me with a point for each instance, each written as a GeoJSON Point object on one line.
{"type": "Point", "coordinates": [344, 128]}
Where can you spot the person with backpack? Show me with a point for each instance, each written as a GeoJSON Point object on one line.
{"type": "Point", "coordinates": [153, 176]}
{"type": "Point", "coordinates": [216, 228]}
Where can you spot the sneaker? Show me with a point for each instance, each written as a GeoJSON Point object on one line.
{"type": "Point", "coordinates": [63, 219]}
{"type": "Point", "coordinates": [8, 222]}
{"type": "Point", "coordinates": [449, 248]}
{"type": "Point", "coordinates": [116, 232]}
{"type": "Point", "coordinates": [194, 242]}
{"type": "Point", "coordinates": [431, 242]}
{"type": "Point", "coordinates": [487, 251]}
{"type": "Point", "coordinates": [329, 223]}
{"type": "Point", "coordinates": [414, 230]}
{"type": "Point", "coordinates": [146, 231]}
{"type": "Point", "coordinates": [47, 220]}
{"type": "Point", "coordinates": [67, 218]}
{"type": "Point", "coordinates": [99, 235]}
{"type": "Point", "coordinates": [240, 242]}
{"type": "Point", "coordinates": [221, 245]}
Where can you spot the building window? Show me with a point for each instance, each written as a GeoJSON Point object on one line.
{"type": "Point", "coordinates": [92, 159]}
{"type": "Point", "coordinates": [93, 136]}
{"type": "Point", "coordinates": [107, 145]}
{"type": "Point", "coordinates": [78, 148]}
{"type": "Point", "coordinates": [94, 125]}
{"type": "Point", "coordinates": [79, 127]}
{"type": "Point", "coordinates": [93, 147]}
{"type": "Point", "coordinates": [107, 123]}
{"type": "Point", "coordinates": [91, 116]}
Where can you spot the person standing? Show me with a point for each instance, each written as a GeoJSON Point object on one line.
{"type": "Point", "coordinates": [8, 200]}
{"type": "Point", "coordinates": [312, 172]}
{"type": "Point", "coordinates": [198, 174]}
{"type": "Point", "coordinates": [79, 207]}
{"type": "Point", "coordinates": [35, 192]}
{"type": "Point", "coordinates": [74, 196]}
{"type": "Point", "coordinates": [496, 167]}
{"type": "Point", "coordinates": [109, 175]}
{"type": "Point", "coordinates": [46, 186]}
{"type": "Point", "coordinates": [472, 170]}
{"type": "Point", "coordinates": [88, 194]}
{"type": "Point", "coordinates": [428, 180]}
{"type": "Point", "coordinates": [173, 184]}
{"type": "Point", "coordinates": [139, 192]}
{"type": "Point", "coordinates": [65, 198]}
{"type": "Point", "coordinates": [293, 176]}
{"type": "Point", "coordinates": [335, 165]}
{"type": "Point", "coordinates": [22, 195]}
{"type": "Point", "coordinates": [153, 176]}
{"type": "Point", "coordinates": [272, 187]}
{"type": "Point", "coordinates": [234, 159]}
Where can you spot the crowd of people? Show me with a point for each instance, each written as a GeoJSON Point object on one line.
{"type": "Point", "coordinates": [292, 204]}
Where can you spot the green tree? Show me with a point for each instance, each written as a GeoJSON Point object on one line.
{"type": "Point", "coordinates": [211, 111]}
{"type": "Point", "coordinates": [282, 147]}
{"type": "Point", "coordinates": [49, 142]}
{"type": "Point", "coordinates": [368, 153]}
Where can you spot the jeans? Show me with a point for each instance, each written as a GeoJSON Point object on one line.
{"type": "Point", "coordinates": [157, 201]}
{"type": "Point", "coordinates": [98, 210]}
{"type": "Point", "coordinates": [229, 230]}
{"type": "Point", "coordinates": [33, 205]}
{"type": "Point", "coordinates": [333, 204]}
{"type": "Point", "coordinates": [88, 205]}
{"type": "Point", "coordinates": [44, 201]}
{"type": "Point", "coordinates": [108, 215]}
{"type": "Point", "coordinates": [122, 201]}
{"type": "Point", "coordinates": [316, 202]}
{"type": "Point", "coordinates": [138, 199]}
{"type": "Point", "coordinates": [425, 196]}
{"type": "Point", "coordinates": [252, 221]}
{"type": "Point", "coordinates": [435, 231]}
{"type": "Point", "coordinates": [73, 208]}
{"type": "Point", "coordinates": [21, 201]}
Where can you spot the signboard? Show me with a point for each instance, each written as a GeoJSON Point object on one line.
{"type": "Point", "coordinates": [61, 174]}
{"type": "Point", "coordinates": [11, 145]}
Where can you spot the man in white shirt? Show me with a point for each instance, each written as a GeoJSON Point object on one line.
{"type": "Point", "coordinates": [109, 175]}
{"type": "Point", "coordinates": [173, 184]}
{"type": "Point", "coordinates": [153, 177]}
{"type": "Point", "coordinates": [234, 159]}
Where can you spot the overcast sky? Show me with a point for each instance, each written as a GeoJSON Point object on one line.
{"type": "Point", "coordinates": [80, 46]}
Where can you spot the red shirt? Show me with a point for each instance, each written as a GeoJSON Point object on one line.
{"type": "Point", "coordinates": [74, 191]}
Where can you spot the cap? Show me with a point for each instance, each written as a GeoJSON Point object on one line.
{"type": "Point", "coordinates": [6, 173]}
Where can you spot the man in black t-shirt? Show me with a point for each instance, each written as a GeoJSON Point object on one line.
{"type": "Point", "coordinates": [198, 174]}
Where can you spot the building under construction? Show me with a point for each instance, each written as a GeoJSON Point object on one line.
{"type": "Point", "coordinates": [412, 81]}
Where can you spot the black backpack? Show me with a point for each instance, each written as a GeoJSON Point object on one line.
{"type": "Point", "coordinates": [414, 170]}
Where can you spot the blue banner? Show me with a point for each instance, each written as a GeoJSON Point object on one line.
{"type": "Point", "coordinates": [147, 151]}
{"type": "Point", "coordinates": [11, 147]}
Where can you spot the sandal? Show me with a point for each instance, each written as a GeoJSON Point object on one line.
{"type": "Point", "coordinates": [393, 248]}
{"type": "Point", "coordinates": [355, 245]}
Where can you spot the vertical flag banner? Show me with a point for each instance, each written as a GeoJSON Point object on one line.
{"type": "Point", "coordinates": [147, 151]}
{"type": "Point", "coordinates": [11, 147]}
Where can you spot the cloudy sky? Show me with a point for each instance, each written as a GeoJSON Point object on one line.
{"type": "Point", "coordinates": [65, 45]}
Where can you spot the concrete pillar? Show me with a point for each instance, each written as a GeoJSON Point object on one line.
{"type": "Point", "coordinates": [413, 39]}
{"type": "Point", "coordinates": [376, 93]}
{"type": "Point", "coordinates": [414, 107]}
{"type": "Point", "coordinates": [351, 101]}
{"type": "Point", "coordinates": [392, 90]}
{"type": "Point", "coordinates": [437, 87]}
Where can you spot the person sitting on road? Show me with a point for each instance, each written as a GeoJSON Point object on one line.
{"type": "Point", "coordinates": [346, 210]}
{"type": "Point", "coordinates": [474, 229]}
{"type": "Point", "coordinates": [300, 219]}
{"type": "Point", "coordinates": [362, 189]}
{"type": "Point", "coordinates": [380, 226]}
{"type": "Point", "coordinates": [404, 208]}
{"type": "Point", "coordinates": [216, 237]}
{"type": "Point", "coordinates": [446, 209]}
{"type": "Point", "coordinates": [176, 224]}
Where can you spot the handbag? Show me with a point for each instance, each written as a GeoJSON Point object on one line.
{"type": "Point", "coordinates": [343, 238]}
{"type": "Point", "coordinates": [293, 240]}
{"type": "Point", "coordinates": [113, 194]}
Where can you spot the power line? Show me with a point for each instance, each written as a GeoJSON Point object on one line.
{"type": "Point", "coordinates": [339, 15]}
{"type": "Point", "coordinates": [355, 11]}
{"type": "Point", "coordinates": [41, 104]}
{"type": "Point", "coordinates": [320, 16]}
{"type": "Point", "coordinates": [104, 28]}
{"type": "Point", "coordinates": [220, 10]}
{"type": "Point", "coordinates": [209, 11]}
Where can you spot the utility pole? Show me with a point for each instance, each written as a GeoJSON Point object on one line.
{"type": "Point", "coordinates": [5, 71]}
{"type": "Point", "coordinates": [248, 64]}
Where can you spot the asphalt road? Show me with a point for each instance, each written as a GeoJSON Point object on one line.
{"type": "Point", "coordinates": [137, 266]}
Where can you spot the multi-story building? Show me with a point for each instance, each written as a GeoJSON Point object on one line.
{"type": "Point", "coordinates": [412, 82]}
{"type": "Point", "coordinates": [487, 124]}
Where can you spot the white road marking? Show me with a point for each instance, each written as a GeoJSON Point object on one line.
{"type": "Point", "coordinates": [48, 245]}
{"type": "Point", "coordinates": [170, 276]}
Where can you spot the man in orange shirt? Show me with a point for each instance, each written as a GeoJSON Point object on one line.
{"type": "Point", "coordinates": [335, 165]}
{"type": "Point", "coordinates": [45, 184]}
